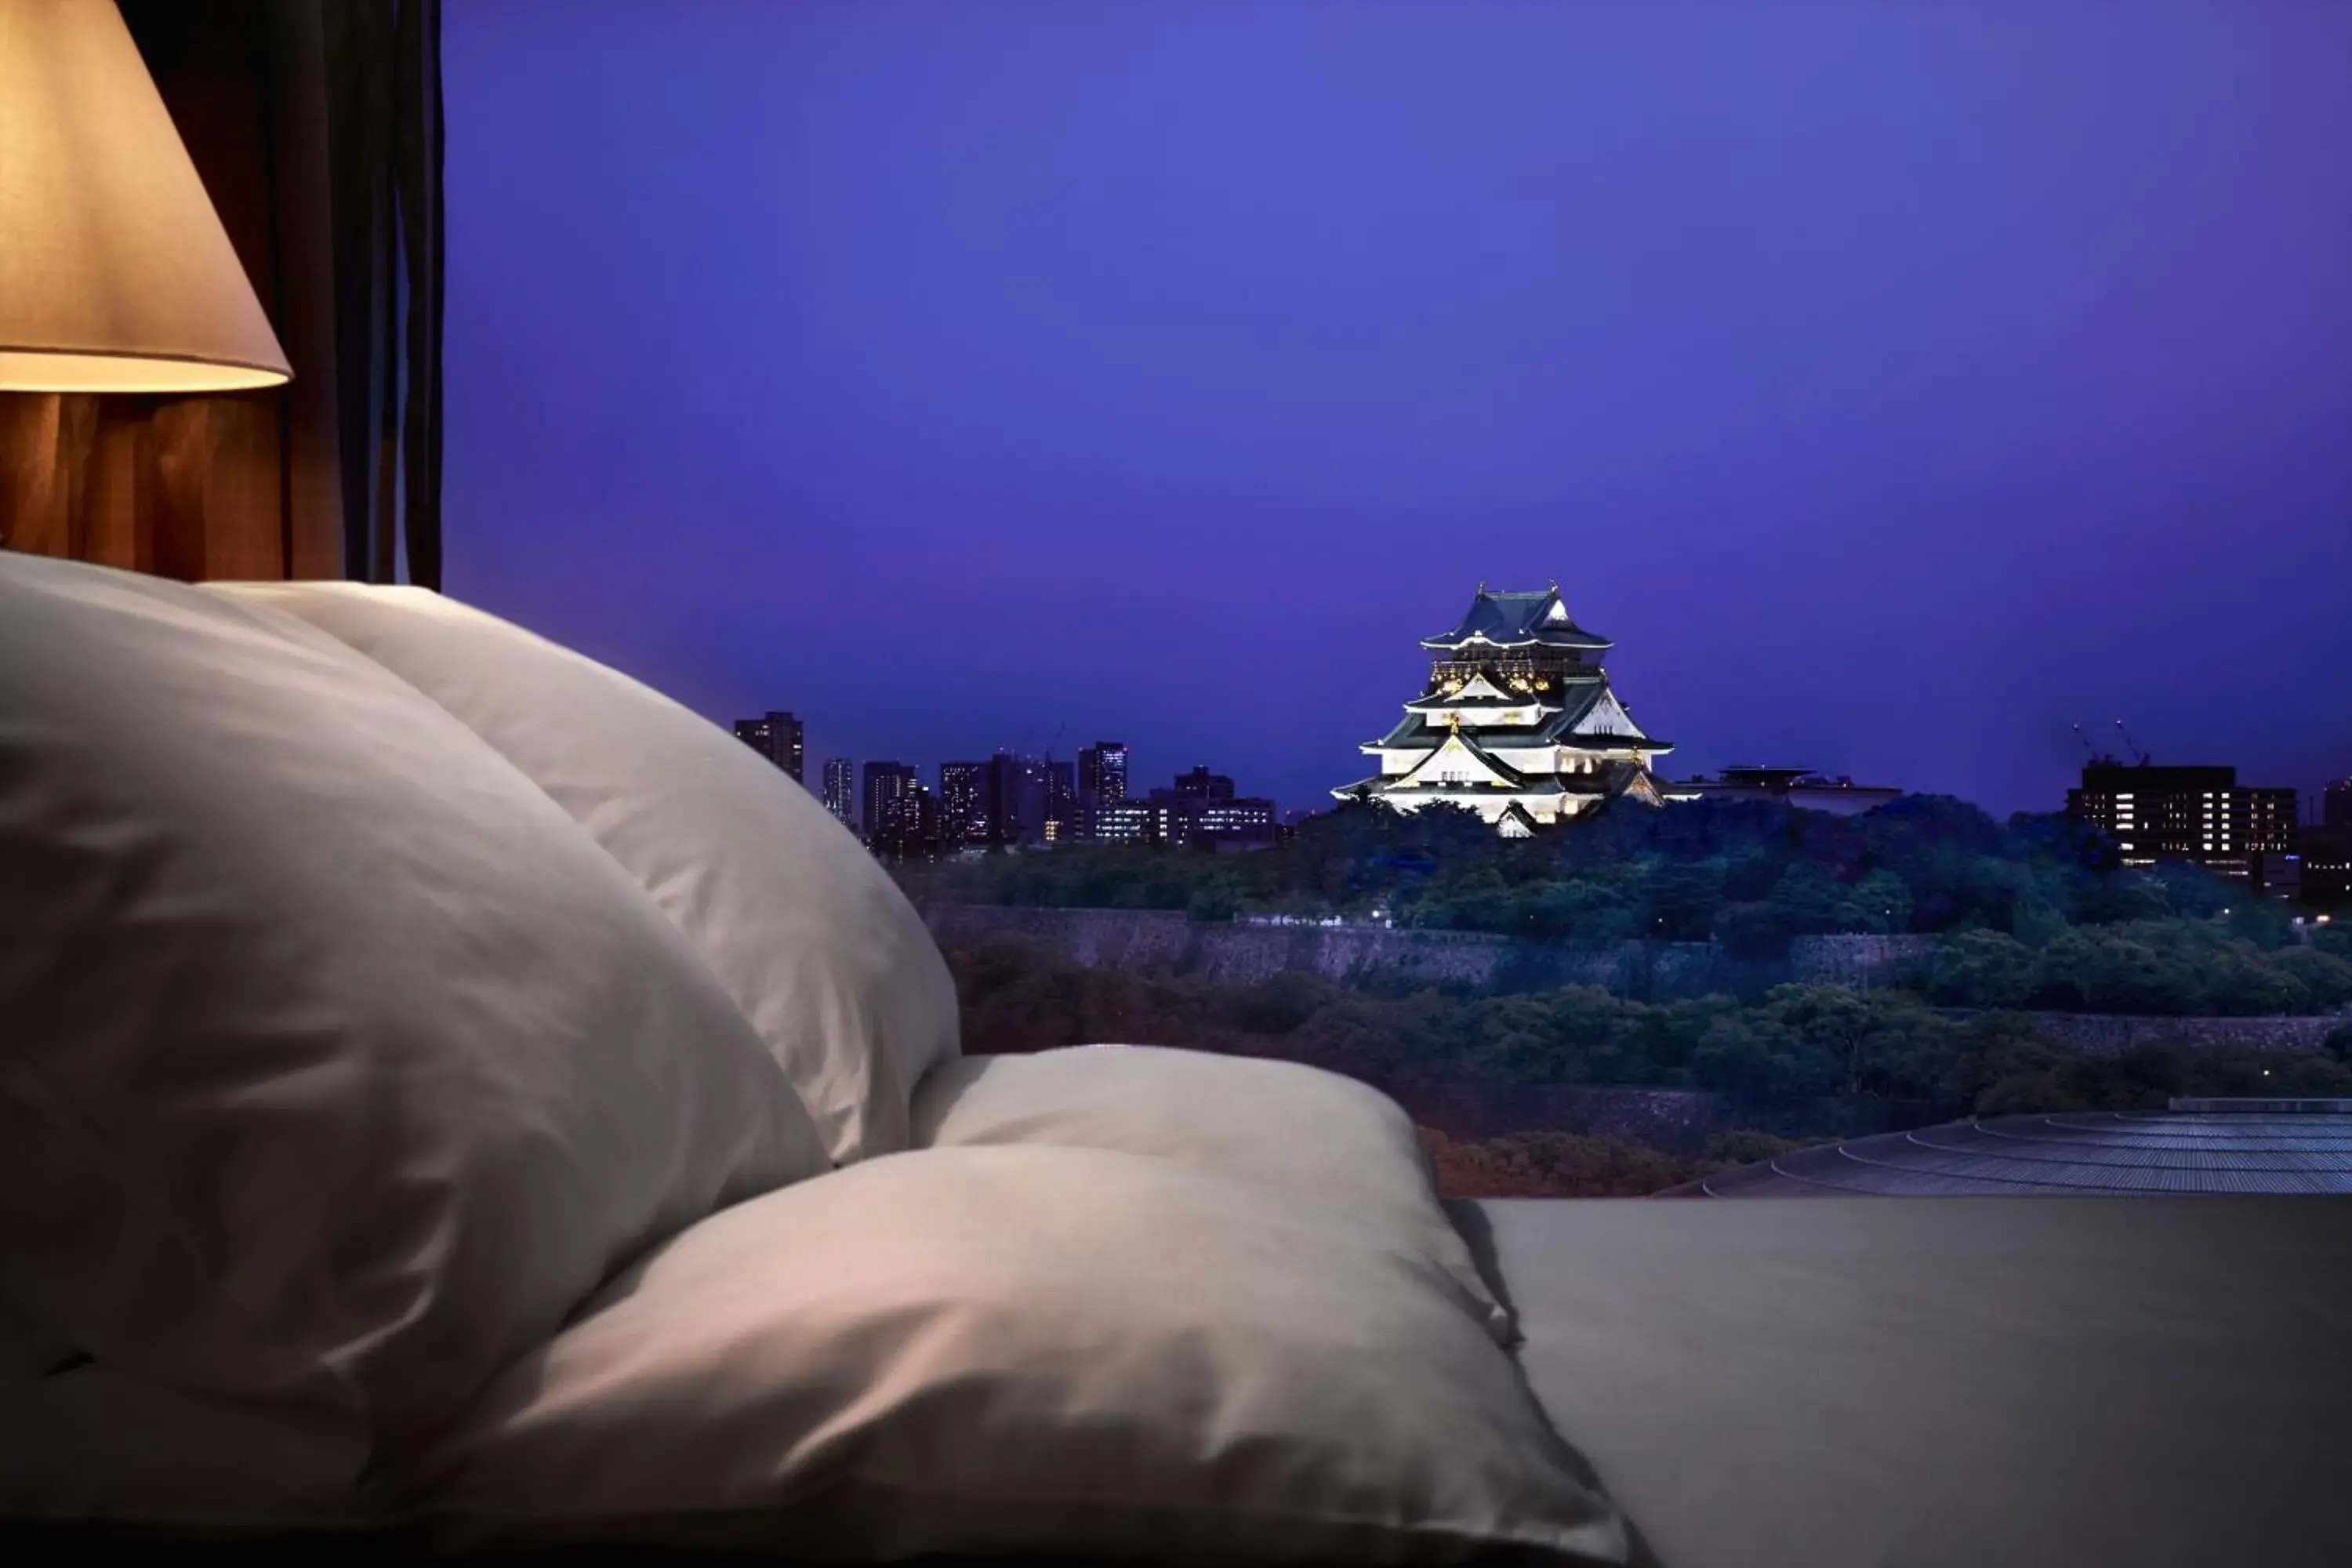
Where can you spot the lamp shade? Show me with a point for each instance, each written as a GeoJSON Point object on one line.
{"type": "Point", "coordinates": [115, 273]}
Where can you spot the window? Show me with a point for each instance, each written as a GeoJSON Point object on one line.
{"type": "Point", "coordinates": [953, 432]}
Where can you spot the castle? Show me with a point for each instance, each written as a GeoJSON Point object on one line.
{"type": "Point", "coordinates": [1518, 723]}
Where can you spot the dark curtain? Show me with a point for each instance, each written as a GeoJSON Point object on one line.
{"type": "Point", "coordinates": [315, 125]}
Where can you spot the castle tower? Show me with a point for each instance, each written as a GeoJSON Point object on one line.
{"type": "Point", "coordinates": [1518, 723]}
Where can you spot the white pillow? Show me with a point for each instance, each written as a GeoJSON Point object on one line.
{"type": "Point", "coordinates": [338, 1064]}
{"type": "Point", "coordinates": [1306, 1133]}
{"type": "Point", "coordinates": [1066, 1353]}
{"type": "Point", "coordinates": [814, 940]}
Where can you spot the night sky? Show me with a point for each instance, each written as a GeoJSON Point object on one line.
{"type": "Point", "coordinates": [1897, 385]}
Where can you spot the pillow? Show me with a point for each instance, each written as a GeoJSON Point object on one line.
{"type": "Point", "coordinates": [809, 936]}
{"type": "Point", "coordinates": [1310, 1134]}
{"type": "Point", "coordinates": [1066, 1353]}
{"type": "Point", "coordinates": [339, 1065]}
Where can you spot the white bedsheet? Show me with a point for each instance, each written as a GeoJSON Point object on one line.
{"type": "Point", "coordinates": [1776, 1383]}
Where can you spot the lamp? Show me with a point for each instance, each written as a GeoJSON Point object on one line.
{"type": "Point", "coordinates": [115, 273]}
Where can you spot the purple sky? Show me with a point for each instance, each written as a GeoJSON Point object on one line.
{"type": "Point", "coordinates": [1896, 385]}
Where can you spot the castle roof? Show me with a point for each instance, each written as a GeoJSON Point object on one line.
{"type": "Point", "coordinates": [1517, 620]}
{"type": "Point", "coordinates": [1613, 778]}
{"type": "Point", "coordinates": [1485, 702]}
{"type": "Point", "coordinates": [1554, 726]}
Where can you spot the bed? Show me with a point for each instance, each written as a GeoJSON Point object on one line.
{"type": "Point", "coordinates": [1801, 1383]}
{"type": "Point", "coordinates": [454, 1100]}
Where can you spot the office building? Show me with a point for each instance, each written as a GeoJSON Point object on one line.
{"type": "Point", "coordinates": [2326, 865]}
{"type": "Point", "coordinates": [887, 785]}
{"type": "Point", "coordinates": [1061, 825]}
{"type": "Point", "coordinates": [1014, 800]}
{"type": "Point", "coordinates": [1123, 822]}
{"type": "Point", "coordinates": [1201, 785]}
{"type": "Point", "coordinates": [1202, 811]}
{"type": "Point", "coordinates": [911, 824]}
{"type": "Point", "coordinates": [1102, 773]}
{"type": "Point", "coordinates": [2326, 849]}
{"type": "Point", "coordinates": [778, 738]}
{"type": "Point", "coordinates": [2199, 815]}
{"type": "Point", "coordinates": [963, 822]}
{"type": "Point", "coordinates": [841, 790]}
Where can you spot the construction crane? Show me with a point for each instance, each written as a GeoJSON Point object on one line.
{"type": "Point", "coordinates": [2131, 745]}
{"type": "Point", "coordinates": [2099, 759]}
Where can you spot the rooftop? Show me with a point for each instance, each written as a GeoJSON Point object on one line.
{"type": "Point", "coordinates": [1517, 620]}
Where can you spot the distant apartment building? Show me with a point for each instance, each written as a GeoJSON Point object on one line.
{"type": "Point", "coordinates": [2326, 849]}
{"type": "Point", "coordinates": [1102, 791]}
{"type": "Point", "coordinates": [1203, 811]}
{"type": "Point", "coordinates": [889, 786]}
{"type": "Point", "coordinates": [778, 737]}
{"type": "Point", "coordinates": [1202, 785]}
{"type": "Point", "coordinates": [911, 829]}
{"type": "Point", "coordinates": [1122, 822]}
{"type": "Point", "coordinates": [2199, 815]}
{"type": "Point", "coordinates": [2326, 866]}
{"type": "Point", "coordinates": [963, 822]}
{"type": "Point", "coordinates": [1061, 822]}
{"type": "Point", "coordinates": [1102, 773]}
{"type": "Point", "coordinates": [1837, 794]}
{"type": "Point", "coordinates": [841, 790]}
{"type": "Point", "coordinates": [1015, 800]}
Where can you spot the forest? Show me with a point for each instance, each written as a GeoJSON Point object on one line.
{"type": "Point", "coordinates": [1803, 1063]}
{"type": "Point", "coordinates": [2036, 912]}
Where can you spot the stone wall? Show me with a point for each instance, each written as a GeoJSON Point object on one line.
{"type": "Point", "coordinates": [2107, 1034]}
{"type": "Point", "coordinates": [1241, 953]}
{"type": "Point", "coordinates": [1675, 1118]}
{"type": "Point", "coordinates": [1859, 963]}
{"type": "Point", "coordinates": [1167, 941]}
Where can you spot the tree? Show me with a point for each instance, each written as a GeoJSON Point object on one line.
{"type": "Point", "coordinates": [1980, 969]}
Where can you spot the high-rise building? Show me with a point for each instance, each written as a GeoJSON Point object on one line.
{"type": "Point", "coordinates": [908, 829]}
{"type": "Point", "coordinates": [779, 739]}
{"type": "Point", "coordinates": [1102, 773]}
{"type": "Point", "coordinates": [1014, 800]}
{"type": "Point", "coordinates": [1102, 787]}
{"type": "Point", "coordinates": [1518, 723]}
{"type": "Point", "coordinates": [1061, 802]}
{"type": "Point", "coordinates": [841, 790]}
{"type": "Point", "coordinates": [2335, 803]}
{"type": "Point", "coordinates": [2199, 814]}
{"type": "Point", "coordinates": [887, 785]}
{"type": "Point", "coordinates": [961, 820]}
{"type": "Point", "coordinates": [2326, 849]}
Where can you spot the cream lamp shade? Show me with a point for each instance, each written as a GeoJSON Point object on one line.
{"type": "Point", "coordinates": [115, 273]}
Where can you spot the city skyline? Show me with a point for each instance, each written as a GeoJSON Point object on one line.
{"type": "Point", "coordinates": [1901, 386]}
{"type": "Point", "coordinates": [2328, 803]}
{"type": "Point", "coordinates": [1014, 800]}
